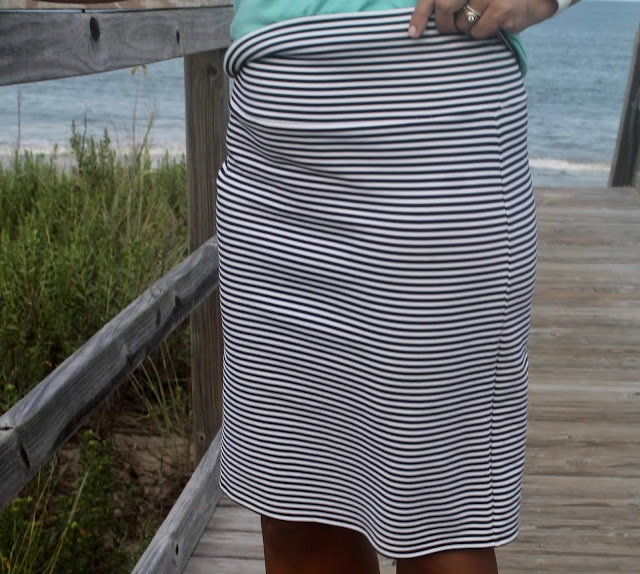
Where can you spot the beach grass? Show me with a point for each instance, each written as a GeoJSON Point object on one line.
{"type": "Point", "coordinates": [76, 246]}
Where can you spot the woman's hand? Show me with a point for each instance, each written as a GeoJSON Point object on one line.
{"type": "Point", "coordinates": [509, 15]}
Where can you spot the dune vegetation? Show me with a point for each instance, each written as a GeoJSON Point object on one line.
{"type": "Point", "coordinates": [76, 246]}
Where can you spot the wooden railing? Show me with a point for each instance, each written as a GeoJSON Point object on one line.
{"type": "Point", "coordinates": [625, 168]}
{"type": "Point", "coordinates": [39, 45]}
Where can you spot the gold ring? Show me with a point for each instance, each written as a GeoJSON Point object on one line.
{"type": "Point", "coordinates": [470, 14]}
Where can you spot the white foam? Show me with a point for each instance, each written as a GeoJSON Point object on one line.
{"type": "Point", "coordinates": [65, 153]}
{"type": "Point", "coordinates": [568, 166]}
{"type": "Point", "coordinates": [176, 149]}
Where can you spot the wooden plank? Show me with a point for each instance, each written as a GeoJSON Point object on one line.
{"type": "Point", "coordinates": [237, 544]}
{"type": "Point", "coordinates": [583, 218]}
{"type": "Point", "coordinates": [604, 254]}
{"type": "Point", "coordinates": [545, 433]}
{"type": "Point", "coordinates": [611, 489]}
{"type": "Point", "coordinates": [207, 97]}
{"type": "Point", "coordinates": [614, 315]}
{"type": "Point", "coordinates": [42, 421]}
{"type": "Point", "coordinates": [586, 334]}
{"type": "Point", "coordinates": [591, 381]}
{"type": "Point", "coordinates": [42, 46]}
{"type": "Point", "coordinates": [565, 199]}
{"type": "Point", "coordinates": [231, 517]}
{"type": "Point", "coordinates": [542, 561]}
{"type": "Point", "coordinates": [207, 565]}
{"type": "Point", "coordinates": [593, 274]}
{"type": "Point", "coordinates": [597, 460]}
{"type": "Point", "coordinates": [200, 565]}
{"type": "Point", "coordinates": [624, 168]}
{"type": "Point", "coordinates": [582, 543]}
{"type": "Point", "coordinates": [557, 409]}
{"type": "Point", "coordinates": [171, 547]}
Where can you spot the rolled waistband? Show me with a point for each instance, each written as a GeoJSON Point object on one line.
{"type": "Point", "coordinates": [350, 32]}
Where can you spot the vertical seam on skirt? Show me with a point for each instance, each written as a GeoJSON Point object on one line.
{"type": "Point", "coordinates": [499, 136]}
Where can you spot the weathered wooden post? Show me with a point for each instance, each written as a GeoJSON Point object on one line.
{"type": "Point", "coordinates": [626, 164]}
{"type": "Point", "coordinates": [207, 96]}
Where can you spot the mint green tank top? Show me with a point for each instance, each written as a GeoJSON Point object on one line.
{"type": "Point", "coordinates": [252, 15]}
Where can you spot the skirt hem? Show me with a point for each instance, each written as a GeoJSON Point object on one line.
{"type": "Point", "coordinates": [380, 549]}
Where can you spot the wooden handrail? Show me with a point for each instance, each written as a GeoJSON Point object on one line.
{"type": "Point", "coordinates": [33, 430]}
{"type": "Point", "coordinates": [626, 158]}
{"type": "Point", "coordinates": [176, 539]}
{"type": "Point", "coordinates": [39, 45]}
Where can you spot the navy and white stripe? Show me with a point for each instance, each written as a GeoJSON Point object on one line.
{"type": "Point", "coordinates": [378, 247]}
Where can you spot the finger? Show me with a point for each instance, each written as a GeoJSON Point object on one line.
{"type": "Point", "coordinates": [445, 15]}
{"type": "Point", "coordinates": [420, 18]}
{"type": "Point", "coordinates": [490, 22]}
{"type": "Point", "coordinates": [462, 22]}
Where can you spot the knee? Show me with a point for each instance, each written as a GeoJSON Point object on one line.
{"type": "Point", "coordinates": [476, 561]}
{"type": "Point", "coordinates": [277, 532]}
{"type": "Point", "coordinates": [288, 545]}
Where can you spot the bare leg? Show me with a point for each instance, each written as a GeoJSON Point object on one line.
{"type": "Point", "coordinates": [481, 561]}
{"type": "Point", "coordinates": [313, 548]}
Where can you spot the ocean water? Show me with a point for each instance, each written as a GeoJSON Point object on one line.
{"type": "Point", "coordinates": [579, 64]}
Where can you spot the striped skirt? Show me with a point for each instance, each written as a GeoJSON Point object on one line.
{"type": "Point", "coordinates": [377, 237]}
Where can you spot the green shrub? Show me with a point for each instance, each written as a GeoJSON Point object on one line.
{"type": "Point", "coordinates": [91, 533]}
{"type": "Point", "coordinates": [74, 534]}
{"type": "Point", "coordinates": [76, 247]}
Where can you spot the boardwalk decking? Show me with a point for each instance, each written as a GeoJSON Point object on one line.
{"type": "Point", "coordinates": [581, 509]}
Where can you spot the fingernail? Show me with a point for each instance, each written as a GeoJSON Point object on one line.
{"type": "Point", "coordinates": [413, 31]}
